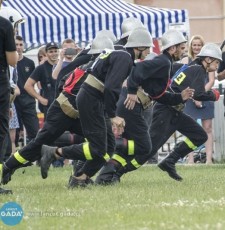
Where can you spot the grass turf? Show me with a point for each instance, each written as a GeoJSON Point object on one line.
{"type": "Point", "coordinates": [144, 200]}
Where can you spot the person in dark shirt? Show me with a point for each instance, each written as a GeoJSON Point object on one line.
{"type": "Point", "coordinates": [43, 74]}
{"type": "Point", "coordinates": [25, 103]}
{"type": "Point", "coordinates": [8, 56]}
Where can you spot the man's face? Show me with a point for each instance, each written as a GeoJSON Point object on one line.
{"type": "Point", "coordinates": [19, 47]}
{"type": "Point", "coordinates": [179, 52]}
{"type": "Point", "coordinates": [52, 54]}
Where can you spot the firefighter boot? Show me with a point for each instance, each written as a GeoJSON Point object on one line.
{"type": "Point", "coordinates": [74, 182]}
{"type": "Point", "coordinates": [2, 190]}
{"type": "Point", "coordinates": [48, 156]}
{"type": "Point", "coordinates": [117, 175]}
{"type": "Point", "coordinates": [168, 165]}
{"type": "Point", "coordinates": [106, 174]}
{"type": "Point", "coordinates": [6, 174]}
{"type": "Point", "coordinates": [5, 191]}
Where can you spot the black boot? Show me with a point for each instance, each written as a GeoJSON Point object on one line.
{"type": "Point", "coordinates": [2, 190]}
{"type": "Point", "coordinates": [7, 173]}
{"type": "Point", "coordinates": [48, 156]}
{"type": "Point", "coordinates": [106, 174]}
{"type": "Point", "coordinates": [5, 191]}
{"type": "Point", "coordinates": [117, 175]}
{"type": "Point", "coordinates": [74, 182]}
{"type": "Point", "coordinates": [168, 165]}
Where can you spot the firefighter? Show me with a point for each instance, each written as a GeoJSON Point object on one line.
{"type": "Point", "coordinates": [62, 115]}
{"type": "Point", "coordinates": [148, 81]}
{"type": "Point", "coordinates": [168, 119]}
{"type": "Point", "coordinates": [99, 93]}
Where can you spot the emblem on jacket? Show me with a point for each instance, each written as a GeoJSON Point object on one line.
{"type": "Point", "coordinates": [27, 68]}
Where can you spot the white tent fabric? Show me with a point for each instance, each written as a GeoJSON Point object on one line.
{"type": "Point", "coordinates": [55, 20]}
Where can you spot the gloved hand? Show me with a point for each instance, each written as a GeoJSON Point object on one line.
{"type": "Point", "coordinates": [217, 94]}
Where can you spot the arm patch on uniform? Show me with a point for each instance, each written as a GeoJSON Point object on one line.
{"type": "Point", "coordinates": [105, 54]}
{"type": "Point", "coordinates": [180, 78]}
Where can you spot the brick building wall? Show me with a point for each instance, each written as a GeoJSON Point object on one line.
{"type": "Point", "coordinates": [206, 17]}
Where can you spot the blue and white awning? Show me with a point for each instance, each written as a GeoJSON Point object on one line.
{"type": "Point", "coordinates": [55, 20]}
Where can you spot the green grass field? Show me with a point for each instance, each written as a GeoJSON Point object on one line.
{"type": "Point", "coordinates": [145, 199]}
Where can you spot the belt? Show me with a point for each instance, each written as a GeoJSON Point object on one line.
{"type": "Point", "coordinates": [66, 107]}
{"type": "Point", "coordinates": [179, 107]}
{"type": "Point", "coordinates": [144, 98]}
{"type": "Point", "coordinates": [94, 82]}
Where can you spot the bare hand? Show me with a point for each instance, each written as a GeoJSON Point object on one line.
{"type": "Point", "coordinates": [43, 101]}
{"type": "Point", "coordinates": [198, 104]}
{"type": "Point", "coordinates": [10, 113]}
{"type": "Point", "coordinates": [130, 101]}
{"type": "Point", "coordinates": [62, 53]}
{"type": "Point", "coordinates": [187, 94]}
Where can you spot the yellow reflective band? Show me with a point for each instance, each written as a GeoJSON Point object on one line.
{"type": "Point", "coordinates": [19, 158]}
{"type": "Point", "coordinates": [105, 54]}
{"type": "Point", "coordinates": [106, 156]}
{"type": "Point", "coordinates": [130, 147]}
{"type": "Point", "coordinates": [87, 152]}
{"type": "Point", "coordinates": [1, 168]}
{"type": "Point", "coordinates": [135, 164]}
{"type": "Point", "coordinates": [190, 144]}
{"type": "Point", "coordinates": [118, 158]}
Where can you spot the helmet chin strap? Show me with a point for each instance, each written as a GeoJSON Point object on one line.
{"type": "Point", "coordinates": [140, 54]}
{"type": "Point", "coordinates": [208, 64]}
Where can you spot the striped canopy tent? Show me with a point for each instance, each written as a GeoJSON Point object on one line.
{"type": "Point", "coordinates": [55, 20]}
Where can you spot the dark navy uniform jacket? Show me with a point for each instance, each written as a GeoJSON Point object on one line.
{"type": "Point", "coordinates": [194, 77]}
{"type": "Point", "coordinates": [112, 68]}
{"type": "Point", "coordinates": [154, 77]}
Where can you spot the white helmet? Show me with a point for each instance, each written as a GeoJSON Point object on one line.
{"type": "Point", "coordinates": [107, 33]}
{"type": "Point", "coordinates": [211, 50]}
{"type": "Point", "coordinates": [139, 37]}
{"type": "Point", "coordinates": [128, 25]}
{"type": "Point", "coordinates": [12, 15]}
{"type": "Point", "coordinates": [99, 44]}
{"type": "Point", "coordinates": [172, 37]}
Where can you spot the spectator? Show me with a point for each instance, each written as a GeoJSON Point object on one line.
{"type": "Point", "coordinates": [43, 74]}
{"type": "Point", "coordinates": [25, 104]}
{"type": "Point", "coordinates": [65, 58]}
{"type": "Point", "coordinates": [41, 55]}
{"type": "Point", "coordinates": [221, 72]}
{"type": "Point", "coordinates": [197, 109]}
{"type": "Point", "coordinates": [13, 122]}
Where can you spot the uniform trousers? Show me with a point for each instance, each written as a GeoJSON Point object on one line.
{"type": "Point", "coordinates": [4, 111]}
{"type": "Point", "coordinates": [167, 120]}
